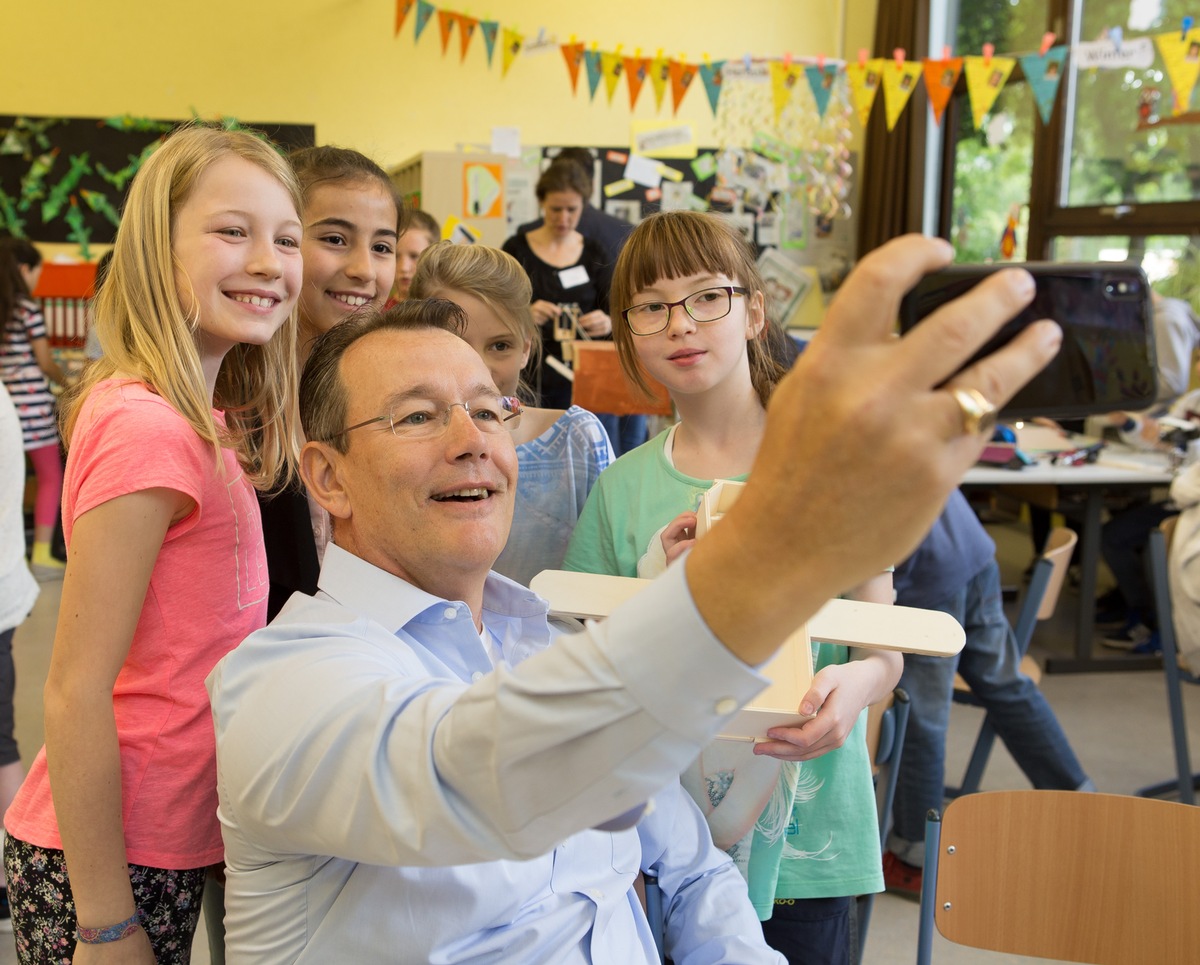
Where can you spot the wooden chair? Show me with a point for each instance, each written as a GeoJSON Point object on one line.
{"type": "Point", "coordinates": [1045, 586]}
{"type": "Point", "coordinates": [887, 723]}
{"type": "Point", "coordinates": [1101, 878]}
{"type": "Point", "coordinates": [1158, 554]}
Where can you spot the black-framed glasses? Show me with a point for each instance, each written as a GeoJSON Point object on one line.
{"type": "Point", "coordinates": [707, 305]}
{"type": "Point", "coordinates": [424, 420]}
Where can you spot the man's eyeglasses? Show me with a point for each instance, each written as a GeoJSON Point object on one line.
{"type": "Point", "coordinates": [708, 305]}
{"type": "Point", "coordinates": [424, 420]}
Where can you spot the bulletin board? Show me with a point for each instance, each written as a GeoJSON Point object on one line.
{"type": "Point", "coordinates": [65, 179]}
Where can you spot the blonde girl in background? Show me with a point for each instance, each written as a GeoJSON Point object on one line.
{"type": "Point", "coordinates": [190, 407]}
{"type": "Point", "coordinates": [27, 367]}
{"type": "Point", "coordinates": [352, 224]}
{"type": "Point", "coordinates": [560, 452]}
{"type": "Point", "coordinates": [689, 312]}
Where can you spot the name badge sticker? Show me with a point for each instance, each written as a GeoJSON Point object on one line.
{"type": "Point", "coordinates": [573, 277]}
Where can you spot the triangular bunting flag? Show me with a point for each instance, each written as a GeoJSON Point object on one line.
{"type": "Point", "coordinates": [660, 76]}
{"type": "Point", "coordinates": [466, 30]}
{"type": "Point", "coordinates": [713, 75]}
{"type": "Point", "coordinates": [512, 47]}
{"type": "Point", "coordinates": [489, 29]}
{"type": "Point", "coordinates": [821, 80]}
{"type": "Point", "coordinates": [611, 66]}
{"type": "Point", "coordinates": [445, 22]}
{"type": "Point", "coordinates": [591, 59]}
{"type": "Point", "coordinates": [573, 55]}
{"type": "Point", "coordinates": [682, 75]}
{"type": "Point", "coordinates": [985, 80]}
{"type": "Point", "coordinates": [864, 85]}
{"type": "Point", "coordinates": [402, 9]}
{"type": "Point", "coordinates": [784, 78]}
{"type": "Point", "coordinates": [1044, 74]}
{"type": "Point", "coordinates": [1181, 52]}
{"type": "Point", "coordinates": [899, 82]}
{"type": "Point", "coordinates": [940, 78]}
{"type": "Point", "coordinates": [636, 69]}
{"type": "Point", "coordinates": [424, 12]}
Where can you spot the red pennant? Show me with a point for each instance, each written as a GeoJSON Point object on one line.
{"type": "Point", "coordinates": [402, 9]}
{"type": "Point", "coordinates": [682, 76]}
{"type": "Point", "coordinates": [637, 69]}
{"type": "Point", "coordinates": [445, 22]}
{"type": "Point", "coordinates": [573, 55]}
{"type": "Point", "coordinates": [466, 30]}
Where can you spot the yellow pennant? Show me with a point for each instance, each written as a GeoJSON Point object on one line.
{"type": "Point", "coordinates": [899, 82]}
{"type": "Point", "coordinates": [784, 78]}
{"type": "Point", "coordinates": [1181, 54]}
{"type": "Point", "coordinates": [660, 78]}
{"type": "Point", "coordinates": [512, 47]}
{"type": "Point", "coordinates": [864, 81]}
{"type": "Point", "coordinates": [611, 67]}
{"type": "Point", "coordinates": [985, 79]}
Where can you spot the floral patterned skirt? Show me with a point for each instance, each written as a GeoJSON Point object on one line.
{"type": "Point", "coordinates": [43, 910]}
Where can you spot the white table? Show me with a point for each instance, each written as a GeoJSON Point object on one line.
{"type": "Point", "coordinates": [1117, 469]}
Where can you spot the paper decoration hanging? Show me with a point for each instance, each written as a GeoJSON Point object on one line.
{"type": "Point", "coordinates": [61, 192]}
{"type": "Point", "coordinates": [402, 9]}
{"type": "Point", "coordinates": [864, 84]}
{"type": "Point", "coordinates": [79, 233]}
{"type": "Point", "coordinates": [1106, 54]}
{"type": "Point", "coordinates": [1008, 240]}
{"type": "Point", "coordinates": [445, 22]}
{"type": "Point", "coordinates": [636, 69]}
{"type": "Point", "coordinates": [12, 222]}
{"type": "Point", "coordinates": [682, 75]}
{"type": "Point", "coordinates": [1181, 53]}
{"type": "Point", "coordinates": [573, 55]}
{"type": "Point", "coordinates": [489, 29]}
{"type": "Point", "coordinates": [660, 76]}
{"type": "Point", "coordinates": [713, 74]}
{"type": "Point", "coordinates": [466, 30]}
{"type": "Point", "coordinates": [899, 82]}
{"type": "Point", "coordinates": [99, 202]}
{"type": "Point", "coordinates": [424, 12]}
{"type": "Point", "coordinates": [784, 78]}
{"type": "Point", "coordinates": [512, 47]}
{"type": "Point", "coordinates": [611, 65]}
{"type": "Point", "coordinates": [1044, 73]}
{"type": "Point", "coordinates": [986, 77]}
{"type": "Point", "coordinates": [591, 60]}
{"type": "Point", "coordinates": [32, 184]}
{"type": "Point", "coordinates": [820, 82]}
{"type": "Point", "coordinates": [940, 78]}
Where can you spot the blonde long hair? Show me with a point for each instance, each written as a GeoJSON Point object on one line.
{"type": "Point", "coordinates": [145, 332]}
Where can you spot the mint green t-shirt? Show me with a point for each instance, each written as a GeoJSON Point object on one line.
{"type": "Point", "coordinates": [831, 845]}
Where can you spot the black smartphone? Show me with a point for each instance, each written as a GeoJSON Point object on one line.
{"type": "Point", "coordinates": [1107, 359]}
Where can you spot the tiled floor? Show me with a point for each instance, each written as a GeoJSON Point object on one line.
{"type": "Point", "coordinates": [1116, 721]}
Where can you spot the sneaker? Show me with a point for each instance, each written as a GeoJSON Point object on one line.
{"type": "Point", "coordinates": [901, 878]}
{"type": "Point", "coordinates": [1130, 638]}
{"type": "Point", "coordinates": [1151, 646]}
{"type": "Point", "coordinates": [5, 915]}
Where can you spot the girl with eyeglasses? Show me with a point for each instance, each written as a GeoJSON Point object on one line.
{"type": "Point", "coordinates": [689, 311]}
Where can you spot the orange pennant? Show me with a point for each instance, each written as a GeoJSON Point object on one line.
{"type": "Point", "coordinates": [573, 55]}
{"type": "Point", "coordinates": [445, 22]}
{"type": "Point", "coordinates": [466, 30]}
{"type": "Point", "coordinates": [636, 71]}
{"type": "Point", "coordinates": [682, 76]}
{"type": "Point", "coordinates": [940, 78]}
{"type": "Point", "coordinates": [402, 9]}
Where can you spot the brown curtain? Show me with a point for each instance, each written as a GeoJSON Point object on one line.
{"type": "Point", "coordinates": [892, 164]}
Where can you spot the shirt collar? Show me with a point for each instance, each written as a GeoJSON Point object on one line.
{"type": "Point", "coordinates": [393, 603]}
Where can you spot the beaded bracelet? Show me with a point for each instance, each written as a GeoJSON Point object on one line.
{"type": "Point", "coordinates": [110, 933]}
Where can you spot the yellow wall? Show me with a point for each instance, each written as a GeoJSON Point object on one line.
{"type": "Point", "coordinates": [335, 63]}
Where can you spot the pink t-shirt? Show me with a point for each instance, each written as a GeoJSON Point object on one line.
{"type": "Point", "coordinates": [207, 592]}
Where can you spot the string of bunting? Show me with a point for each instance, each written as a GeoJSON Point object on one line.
{"type": "Point", "coordinates": [985, 74]}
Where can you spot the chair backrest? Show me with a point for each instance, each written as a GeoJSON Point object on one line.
{"type": "Point", "coordinates": [1101, 878]}
{"type": "Point", "coordinates": [1045, 584]}
{"type": "Point", "coordinates": [887, 722]}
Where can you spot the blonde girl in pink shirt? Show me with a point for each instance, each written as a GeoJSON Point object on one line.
{"type": "Point", "coordinates": [189, 409]}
